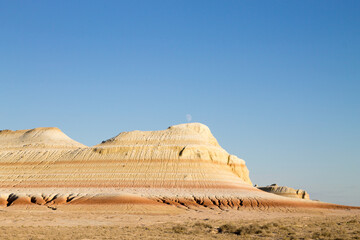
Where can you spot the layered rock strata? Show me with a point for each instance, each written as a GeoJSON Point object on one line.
{"type": "Point", "coordinates": [286, 191]}
{"type": "Point", "coordinates": [183, 156]}
{"type": "Point", "coordinates": [182, 166]}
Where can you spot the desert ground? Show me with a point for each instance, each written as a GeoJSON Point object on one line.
{"type": "Point", "coordinates": [169, 222]}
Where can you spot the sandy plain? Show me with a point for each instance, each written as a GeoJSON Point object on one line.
{"type": "Point", "coordinates": [168, 222]}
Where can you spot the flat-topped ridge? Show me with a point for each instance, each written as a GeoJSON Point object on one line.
{"type": "Point", "coordinates": [285, 191]}
{"type": "Point", "coordinates": [188, 133]}
{"type": "Point", "coordinates": [185, 142]}
{"type": "Point", "coordinates": [182, 155]}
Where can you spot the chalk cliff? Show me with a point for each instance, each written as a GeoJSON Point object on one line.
{"type": "Point", "coordinates": [183, 166]}
{"type": "Point", "coordinates": [286, 191]}
{"type": "Point", "coordinates": [182, 156]}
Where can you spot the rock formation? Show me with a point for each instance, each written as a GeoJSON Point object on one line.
{"type": "Point", "coordinates": [286, 191]}
{"type": "Point", "coordinates": [37, 138]}
{"type": "Point", "coordinates": [185, 155]}
{"type": "Point", "coordinates": [182, 166]}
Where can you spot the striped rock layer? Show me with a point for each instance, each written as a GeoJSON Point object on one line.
{"type": "Point", "coordinates": [182, 156]}
{"type": "Point", "coordinates": [181, 166]}
{"type": "Point", "coordinates": [286, 191]}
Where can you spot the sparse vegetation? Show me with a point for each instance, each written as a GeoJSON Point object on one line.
{"type": "Point", "coordinates": [227, 228]}
{"type": "Point", "coordinates": [180, 229]}
{"type": "Point", "coordinates": [251, 229]}
{"type": "Point", "coordinates": [320, 227]}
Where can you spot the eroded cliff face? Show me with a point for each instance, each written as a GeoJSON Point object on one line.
{"type": "Point", "coordinates": [182, 156]}
{"type": "Point", "coordinates": [286, 191]}
{"type": "Point", "coordinates": [182, 166]}
{"type": "Point", "coordinates": [185, 143]}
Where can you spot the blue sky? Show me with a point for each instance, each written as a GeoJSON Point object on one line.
{"type": "Point", "coordinates": [277, 82]}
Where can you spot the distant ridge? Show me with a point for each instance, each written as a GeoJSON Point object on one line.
{"type": "Point", "coordinates": [38, 137]}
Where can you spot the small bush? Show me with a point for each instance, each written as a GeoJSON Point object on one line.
{"type": "Point", "coordinates": [227, 228]}
{"type": "Point", "coordinates": [352, 221]}
{"type": "Point", "coordinates": [275, 224]}
{"type": "Point", "coordinates": [316, 235]}
{"type": "Point", "coordinates": [251, 229]}
{"type": "Point", "coordinates": [179, 229]}
{"type": "Point", "coordinates": [323, 234]}
{"type": "Point", "coordinates": [202, 225]}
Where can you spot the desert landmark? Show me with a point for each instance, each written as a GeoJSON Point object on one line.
{"type": "Point", "coordinates": [183, 166]}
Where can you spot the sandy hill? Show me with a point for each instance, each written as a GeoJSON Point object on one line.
{"type": "Point", "coordinates": [181, 166]}
{"type": "Point", "coordinates": [37, 138]}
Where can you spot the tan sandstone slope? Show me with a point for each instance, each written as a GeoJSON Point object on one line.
{"type": "Point", "coordinates": [183, 166]}
{"type": "Point", "coordinates": [285, 191]}
{"type": "Point", "coordinates": [185, 155]}
{"type": "Point", "coordinates": [36, 138]}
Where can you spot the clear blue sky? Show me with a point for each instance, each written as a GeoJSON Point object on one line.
{"type": "Point", "coordinates": [277, 82]}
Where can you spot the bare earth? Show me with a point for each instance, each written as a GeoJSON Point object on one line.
{"type": "Point", "coordinates": [169, 222]}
